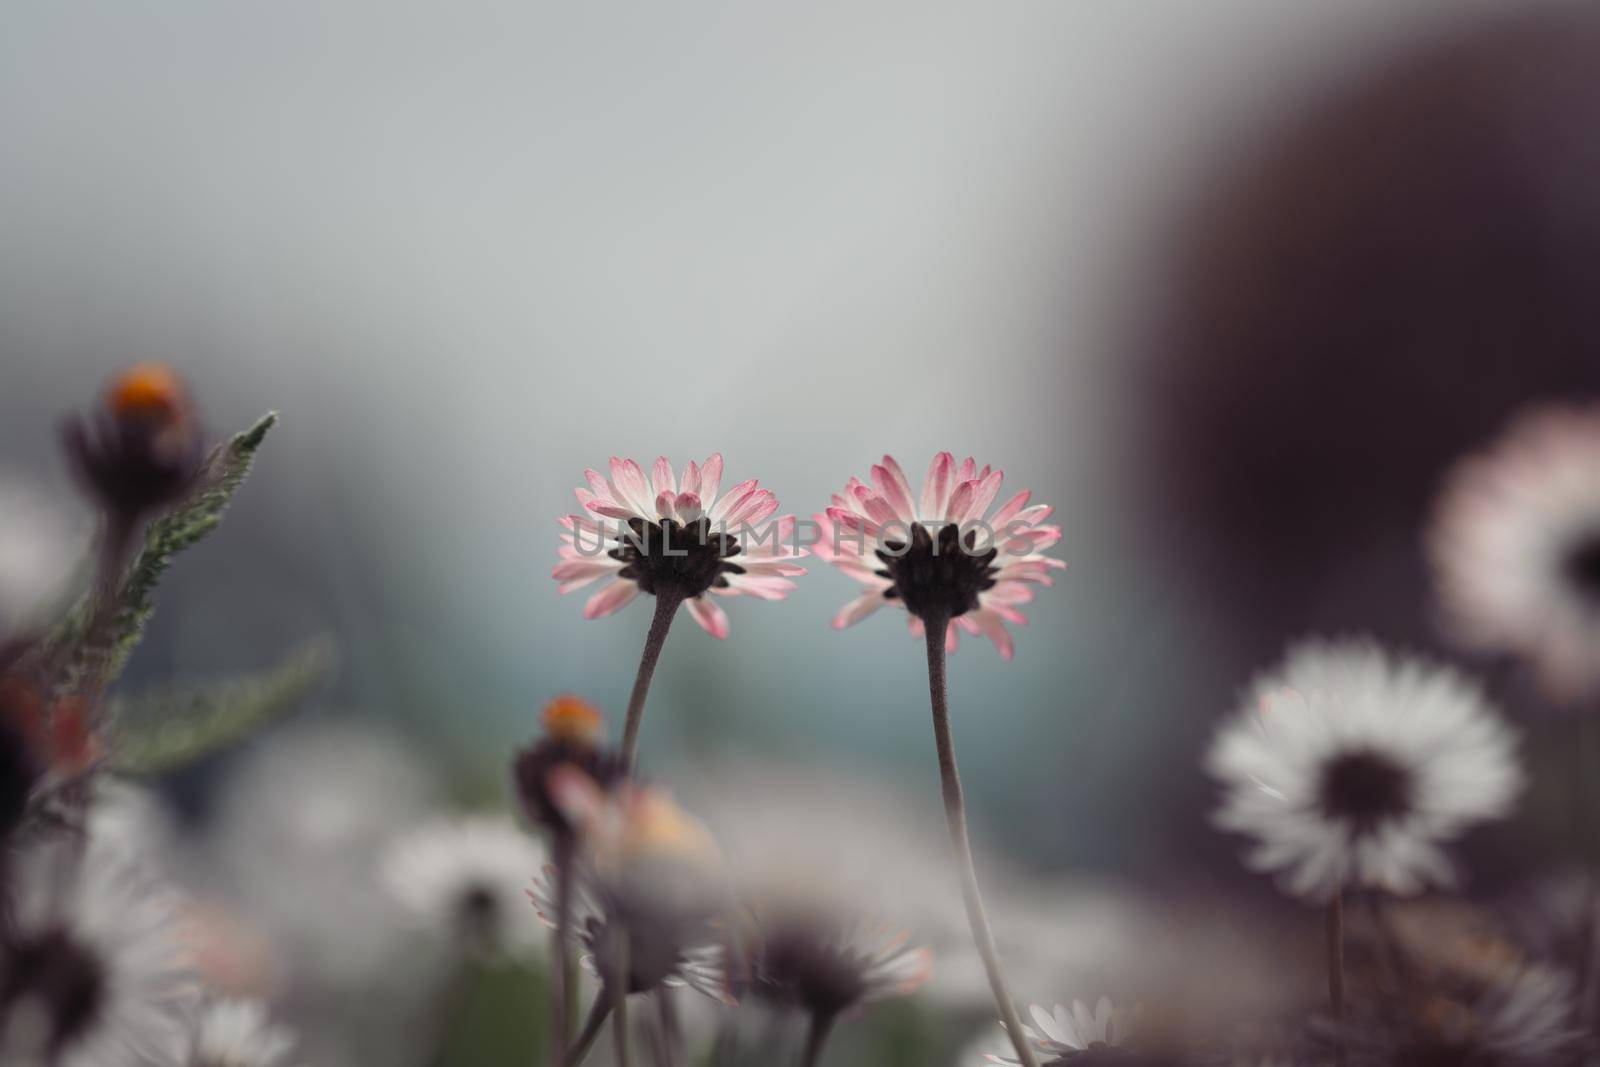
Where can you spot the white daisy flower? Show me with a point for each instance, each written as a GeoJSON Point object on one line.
{"type": "Point", "coordinates": [1065, 1032]}
{"type": "Point", "coordinates": [1515, 546]}
{"type": "Point", "coordinates": [239, 1033]}
{"type": "Point", "coordinates": [94, 973]}
{"type": "Point", "coordinates": [467, 878]}
{"type": "Point", "coordinates": [1350, 767]}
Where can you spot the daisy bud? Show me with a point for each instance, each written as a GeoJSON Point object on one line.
{"type": "Point", "coordinates": [142, 450]}
{"type": "Point", "coordinates": [573, 732]}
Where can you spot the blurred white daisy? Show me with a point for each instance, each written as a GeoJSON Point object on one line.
{"type": "Point", "coordinates": [239, 1033]}
{"type": "Point", "coordinates": [94, 973]}
{"type": "Point", "coordinates": [1071, 1032]}
{"type": "Point", "coordinates": [1351, 767]}
{"type": "Point", "coordinates": [1515, 546]}
{"type": "Point", "coordinates": [1525, 1017]}
{"type": "Point", "coordinates": [466, 879]}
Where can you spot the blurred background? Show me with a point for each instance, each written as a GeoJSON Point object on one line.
{"type": "Point", "coordinates": [1228, 284]}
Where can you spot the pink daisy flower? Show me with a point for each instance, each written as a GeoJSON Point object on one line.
{"type": "Point", "coordinates": [677, 538]}
{"type": "Point", "coordinates": [940, 552]}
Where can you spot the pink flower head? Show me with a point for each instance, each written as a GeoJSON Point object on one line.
{"type": "Point", "coordinates": [940, 552]}
{"type": "Point", "coordinates": [676, 536]}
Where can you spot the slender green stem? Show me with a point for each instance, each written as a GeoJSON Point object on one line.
{"type": "Point", "coordinates": [955, 811]}
{"type": "Point", "coordinates": [666, 608]}
{"type": "Point", "coordinates": [566, 987]}
{"type": "Point", "coordinates": [591, 1030]}
{"type": "Point", "coordinates": [618, 981]}
{"type": "Point", "coordinates": [816, 1037]}
{"type": "Point", "coordinates": [1334, 931]}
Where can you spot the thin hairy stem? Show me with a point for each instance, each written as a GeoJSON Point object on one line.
{"type": "Point", "coordinates": [618, 981]}
{"type": "Point", "coordinates": [591, 1029]}
{"type": "Point", "coordinates": [565, 987]}
{"type": "Point", "coordinates": [666, 608]}
{"type": "Point", "coordinates": [816, 1037]}
{"type": "Point", "coordinates": [955, 811]}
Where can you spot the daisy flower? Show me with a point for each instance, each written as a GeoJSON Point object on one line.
{"type": "Point", "coordinates": [465, 878]}
{"type": "Point", "coordinates": [953, 565]}
{"type": "Point", "coordinates": [793, 954]}
{"type": "Point", "coordinates": [98, 974]}
{"type": "Point", "coordinates": [678, 538]}
{"type": "Point", "coordinates": [1515, 547]}
{"type": "Point", "coordinates": [239, 1033]}
{"type": "Point", "coordinates": [941, 553]}
{"type": "Point", "coordinates": [1070, 1033]}
{"type": "Point", "coordinates": [1350, 767]}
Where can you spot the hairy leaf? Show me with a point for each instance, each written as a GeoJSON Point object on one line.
{"type": "Point", "coordinates": [99, 658]}
{"type": "Point", "coordinates": [163, 731]}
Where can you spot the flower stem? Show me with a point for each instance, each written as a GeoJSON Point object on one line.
{"type": "Point", "coordinates": [566, 990]}
{"type": "Point", "coordinates": [666, 608]}
{"type": "Point", "coordinates": [618, 981]}
{"type": "Point", "coordinates": [591, 1030]}
{"type": "Point", "coordinates": [956, 815]}
{"type": "Point", "coordinates": [1334, 931]}
{"type": "Point", "coordinates": [816, 1037]}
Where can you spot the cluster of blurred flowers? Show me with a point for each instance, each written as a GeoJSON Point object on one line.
{"type": "Point", "coordinates": [333, 891]}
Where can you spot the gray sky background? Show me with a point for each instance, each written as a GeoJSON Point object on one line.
{"type": "Point", "coordinates": [469, 249]}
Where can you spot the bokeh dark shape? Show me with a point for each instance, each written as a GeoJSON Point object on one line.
{"type": "Point", "coordinates": [1357, 298]}
{"type": "Point", "coordinates": [1368, 295]}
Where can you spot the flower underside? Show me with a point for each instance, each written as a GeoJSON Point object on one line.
{"type": "Point", "coordinates": [669, 558]}
{"type": "Point", "coordinates": [938, 576]}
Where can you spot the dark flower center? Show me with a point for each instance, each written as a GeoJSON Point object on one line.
{"type": "Point", "coordinates": [938, 575]}
{"type": "Point", "coordinates": [55, 972]}
{"type": "Point", "coordinates": [478, 913]}
{"type": "Point", "coordinates": [799, 966]}
{"type": "Point", "coordinates": [1365, 788]}
{"type": "Point", "coordinates": [1581, 567]}
{"type": "Point", "coordinates": [670, 558]}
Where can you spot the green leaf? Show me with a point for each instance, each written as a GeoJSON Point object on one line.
{"type": "Point", "coordinates": [163, 731]}
{"type": "Point", "coordinates": [101, 660]}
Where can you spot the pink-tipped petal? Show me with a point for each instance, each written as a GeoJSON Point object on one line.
{"type": "Point", "coordinates": [762, 586]}
{"type": "Point", "coordinates": [730, 500]}
{"type": "Point", "coordinates": [1033, 516]}
{"type": "Point", "coordinates": [858, 609]}
{"type": "Point", "coordinates": [895, 495]}
{"type": "Point", "coordinates": [709, 614]}
{"type": "Point", "coordinates": [995, 631]}
{"type": "Point", "coordinates": [632, 489]}
{"type": "Point", "coordinates": [599, 486]}
{"type": "Point", "coordinates": [666, 502]}
{"type": "Point", "coordinates": [690, 482]}
{"type": "Point", "coordinates": [960, 502]}
{"type": "Point", "coordinates": [661, 477]}
{"type": "Point", "coordinates": [936, 486]}
{"type": "Point", "coordinates": [983, 496]}
{"type": "Point", "coordinates": [688, 505]}
{"type": "Point", "coordinates": [614, 597]}
{"type": "Point", "coordinates": [711, 479]}
{"type": "Point", "coordinates": [967, 471]}
{"type": "Point", "coordinates": [1010, 509]}
{"type": "Point", "coordinates": [611, 511]}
